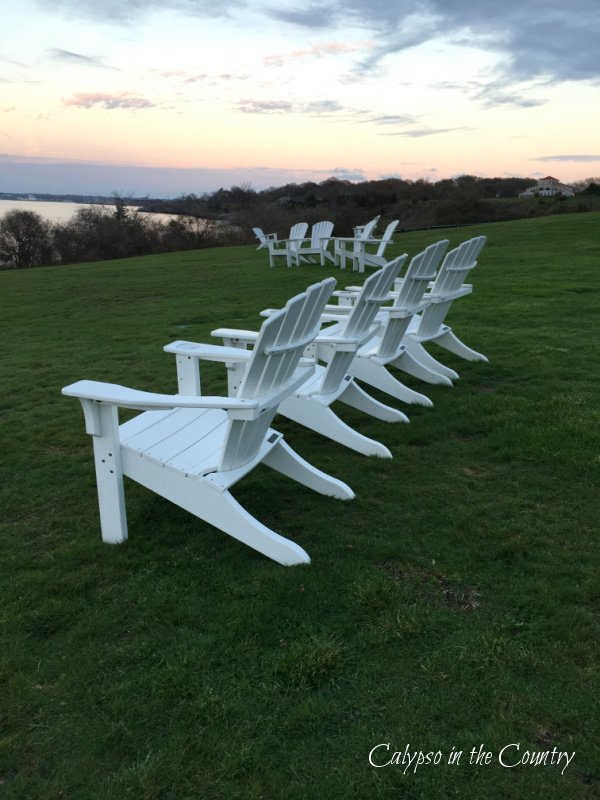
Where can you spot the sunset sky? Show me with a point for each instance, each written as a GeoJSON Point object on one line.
{"type": "Point", "coordinates": [161, 98]}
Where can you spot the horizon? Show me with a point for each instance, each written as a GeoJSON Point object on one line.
{"type": "Point", "coordinates": [175, 98]}
{"type": "Point", "coordinates": [33, 196]}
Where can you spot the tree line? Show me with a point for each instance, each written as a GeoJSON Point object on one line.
{"type": "Point", "coordinates": [227, 216]}
{"type": "Point", "coordinates": [417, 204]}
{"type": "Point", "coordinates": [99, 233]}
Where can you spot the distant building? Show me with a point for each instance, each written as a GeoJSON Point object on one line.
{"type": "Point", "coordinates": [549, 187]}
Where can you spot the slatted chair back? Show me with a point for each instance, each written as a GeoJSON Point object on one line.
{"type": "Point", "coordinates": [261, 236]}
{"type": "Point", "coordinates": [421, 270]}
{"type": "Point", "coordinates": [386, 238]}
{"type": "Point", "coordinates": [451, 276]}
{"type": "Point", "coordinates": [357, 326]}
{"type": "Point", "coordinates": [320, 232]}
{"type": "Point", "coordinates": [272, 367]}
{"type": "Point", "coordinates": [297, 232]}
{"type": "Point", "coordinates": [364, 232]}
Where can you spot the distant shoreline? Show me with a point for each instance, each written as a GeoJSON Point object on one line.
{"type": "Point", "coordinates": [81, 199]}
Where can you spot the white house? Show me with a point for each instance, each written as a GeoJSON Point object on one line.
{"type": "Point", "coordinates": [548, 187]}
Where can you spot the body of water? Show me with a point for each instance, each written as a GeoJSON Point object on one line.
{"type": "Point", "coordinates": [56, 212]}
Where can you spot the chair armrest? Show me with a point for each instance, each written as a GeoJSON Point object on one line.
{"type": "Point", "coordinates": [94, 394]}
{"type": "Point", "coordinates": [464, 290]}
{"type": "Point", "coordinates": [392, 312]}
{"type": "Point", "coordinates": [122, 396]}
{"type": "Point", "coordinates": [238, 335]}
{"type": "Point", "coordinates": [342, 342]}
{"type": "Point", "coordinates": [338, 310]}
{"type": "Point", "coordinates": [208, 352]}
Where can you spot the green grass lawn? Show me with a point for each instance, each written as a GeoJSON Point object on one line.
{"type": "Point", "coordinates": [450, 605]}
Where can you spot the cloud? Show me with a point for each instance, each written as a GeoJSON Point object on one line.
{"type": "Point", "coordinates": [121, 100]}
{"type": "Point", "coordinates": [417, 133]}
{"type": "Point", "coordinates": [264, 106]}
{"type": "Point", "coordinates": [13, 63]}
{"type": "Point", "coordinates": [57, 55]}
{"type": "Point", "coordinates": [344, 174]}
{"type": "Point", "coordinates": [314, 108]}
{"type": "Point", "coordinates": [118, 11]}
{"type": "Point", "coordinates": [320, 50]}
{"type": "Point", "coordinates": [581, 158]}
{"type": "Point", "coordinates": [320, 107]}
{"type": "Point", "coordinates": [184, 77]}
{"type": "Point", "coordinates": [493, 99]}
{"type": "Point", "coordinates": [495, 93]}
{"type": "Point", "coordinates": [392, 119]}
{"type": "Point", "coordinates": [554, 39]}
{"type": "Point", "coordinates": [316, 16]}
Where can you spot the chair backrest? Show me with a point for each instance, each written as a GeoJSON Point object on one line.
{"type": "Point", "coordinates": [297, 232]}
{"type": "Point", "coordinates": [387, 237]}
{"type": "Point", "coordinates": [260, 236]}
{"type": "Point", "coordinates": [421, 270]}
{"type": "Point", "coordinates": [357, 325]}
{"type": "Point", "coordinates": [271, 369]}
{"type": "Point", "coordinates": [451, 275]}
{"type": "Point", "coordinates": [365, 231]}
{"type": "Point", "coordinates": [320, 231]}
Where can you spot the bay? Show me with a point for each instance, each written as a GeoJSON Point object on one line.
{"type": "Point", "coordinates": [57, 211]}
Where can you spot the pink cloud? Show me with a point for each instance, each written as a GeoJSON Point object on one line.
{"type": "Point", "coordinates": [316, 51]}
{"type": "Point", "coordinates": [108, 101]}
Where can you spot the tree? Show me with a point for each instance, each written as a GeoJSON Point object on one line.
{"type": "Point", "coordinates": [25, 240]}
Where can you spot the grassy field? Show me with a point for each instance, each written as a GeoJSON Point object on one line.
{"type": "Point", "coordinates": [450, 605]}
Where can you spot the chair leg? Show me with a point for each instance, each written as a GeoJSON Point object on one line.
{"type": "Point", "coordinates": [284, 459]}
{"type": "Point", "coordinates": [450, 341]}
{"type": "Point", "coordinates": [109, 477]}
{"type": "Point", "coordinates": [321, 419]}
{"type": "Point", "coordinates": [217, 507]}
{"type": "Point", "coordinates": [417, 350]}
{"type": "Point", "coordinates": [356, 397]}
{"type": "Point", "coordinates": [412, 366]}
{"type": "Point", "coordinates": [378, 376]}
{"type": "Point", "coordinates": [223, 511]}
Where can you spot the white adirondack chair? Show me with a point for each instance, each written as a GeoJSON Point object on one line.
{"type": "Point", "coordinates": [192, 449]}
{"type": "Point", "coordinates": [310, 403]}
{"type": "Point", "coordinates": [388, 347]}
{"type": "Point", "coordinates": [320, 236]}
{"type": "Point", "coordinates": [264, 238]}
{"type": "Point", "coordinates": [377, 259]}
{"type": "Point", "coordinates": [448, 286]}
{"type": "Point", "coordinates": [286, 248]}
{"type": "Point", "coordinates": [353, 247]}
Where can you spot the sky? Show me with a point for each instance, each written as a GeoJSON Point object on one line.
{"type": "Point", "coordinates": [166, 97]}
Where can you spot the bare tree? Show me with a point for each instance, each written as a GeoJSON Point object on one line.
{"type": "Point", "coordinates": [25, 240]}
